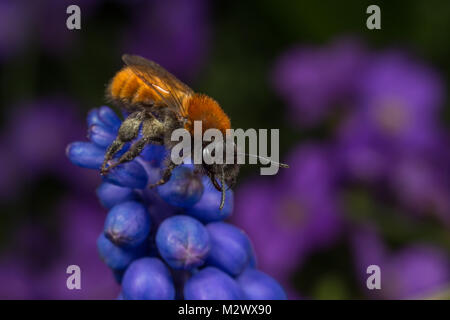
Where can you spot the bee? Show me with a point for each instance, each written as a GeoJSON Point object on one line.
{"type": "Point", "coordinates": [158, 103]}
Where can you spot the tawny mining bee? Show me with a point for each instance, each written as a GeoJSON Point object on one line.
{"type": "Point", "coordinates": [158, 103]}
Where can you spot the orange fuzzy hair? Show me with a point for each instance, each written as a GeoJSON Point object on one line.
{"type": "Point", "coordinates": [200, 107]}
{"type": "Point", "coordinates": [127, 87]}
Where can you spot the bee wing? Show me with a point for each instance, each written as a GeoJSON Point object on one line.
{"type": "Point", "coordinates": [171, 90]}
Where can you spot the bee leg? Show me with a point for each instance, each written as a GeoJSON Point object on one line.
{"type": "Point", "coordinates": [134, 151]}
{"type": "Point", "coordinates": [165, 175]}
{"type": "Point", "coordinates": [151, 129]}
{"type": "Point", "coordinates": [214, 181]}
{"type": "Point", "coordinates": [127, 132]}
{"type": "Point", "coordinates": [222, 200]}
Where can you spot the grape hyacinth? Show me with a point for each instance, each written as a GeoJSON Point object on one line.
{"type": "Point", "coordinates": [169, 242]}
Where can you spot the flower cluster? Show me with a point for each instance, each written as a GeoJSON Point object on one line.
{"type": "Point", "coordinates": [169, 242]}
{"type": "Point", "coordinates": [388, 130]}
{"type": "Point", "coordinates": [415, 271]}
{"type": "Point", "coordinates": [381, 149]}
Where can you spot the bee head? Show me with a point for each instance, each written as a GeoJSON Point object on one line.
{"type": "Point", "coordinates": [225, 172]}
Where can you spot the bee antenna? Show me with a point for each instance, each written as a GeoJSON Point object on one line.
{"type": "Point", "coordinates": [281, 165]}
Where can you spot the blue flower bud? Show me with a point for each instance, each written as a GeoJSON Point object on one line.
{"type": "Point", "coordinates": [115, 257]}
{"type": "Point", "coordinates": [148, 279]}
{"type": "Point", "coordinates": [230, 248]}
{"type": "Point", "coordinates": [111, 194]}
{"type": "Point", "coordinates": [154, 153]}
{"type": "Point", "coordinates": [109, 118]}
{"type": "Point", "coordinates": [207, 208]}
{"type": "Point", "coordinates": [127, 224]}
{"type": "Point", "coordinates": [212, 284]}
{"type": "Point", "coordinates": [93, 119]}
{"type": "Point", "coordinates": [183, 189]}
{"type": "Point", "coordinates": [129, 174]}
{"type": "Point", "coordinates": [259, 286]}
{"type": "Point", "coordinates": [153, 172]}
{"type": "Point", "coordinates": [183, 242]}
{"type": "Point", "coordinates": [100, 135]}
{"type": "Point", "coordinates": [85, 155]}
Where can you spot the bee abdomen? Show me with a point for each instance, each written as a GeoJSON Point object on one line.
{"type": "Point", "coordinates": [127, 88]}
{"type": "Point", "coordinates": [117, 83]}
{"type": "Point", "coordinates": [143, 95]}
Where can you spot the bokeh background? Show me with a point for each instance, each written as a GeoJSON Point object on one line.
{"type": "Point", "coordinates": [363, 118]}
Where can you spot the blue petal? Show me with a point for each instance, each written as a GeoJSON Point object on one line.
{"type": "Point", "coordinates": [101, 135]}
{"type": "Point", "coordinates": [207, 208]}
{"type": "Point", "coordinates": [109, 118]}
{"type": "Point", "coordinates": [183, 189]}
{"type": "Point", "coordinates": [92, 118]}
{"type": "Point", "coordinates": [230, 248]}
{"type": "Point", "coordinates": [115, 257]}
{"type": "Point", "coordinates": [259, 286]}
{"type": "Point", "coordinates": [85, 154]}
{"type": "Point", "coordinates": [127, 224]}
{"type": "Point", "coordinates": [111, 194]}
{"type": "Point", "coordinates": [212, 284]}
{"type": "Point", "coordinates": [154, 154]}
{"type": "Point", "coordinates": [148, 279]}
{"type": "Point", "coordinates": [129, 174]}
{"type": "Point", "coordinates": [183, 242]}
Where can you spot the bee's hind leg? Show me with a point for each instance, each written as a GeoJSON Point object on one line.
{"type": "Point", "coordinates": [167, 173]}
{"type": "Point", "coordinates": [127, 132]}
{"type": "Point", "coordinates": [151, 131]}
{"type": "Point", "coordinates": [214, 181]}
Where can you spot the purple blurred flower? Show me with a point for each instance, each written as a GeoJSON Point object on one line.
{"type": "Point", "coordinates": [174, 33]}
{"type": "Point", "coordinates": [423, 185]}
{"type": "Point", "coordinates": [293, 216]}
{"type": "Point", "coordinates": [400, 100]}
{"type": "Point", "coordinates": [311, 79]}
{"type": "Point", "coordinates": [35, 267]}
{"type": "Point", "coordinates": [40, 130]}
{"type": "Point", "coordinates": [82, 221]}
{"type": "Point", "coordinates": [14, 22]}
{"type": "Point", "coordinates": [359, 153]}
{"type": "Point", "coordinates": [14, 280]}
{"type": "Point", "coordinates": [396, 114]}
{"type": "Point", "coordinates": [311, 181]}
{"type": "Point", "coordinates": [35, 137]}
{"type": "Point", "coordinates": [368, 249]}
{"type": "Point", "coordinates": [418, 271]}
{"type": "Point", "coordinates": [414, 272]}
{"type": "Point", "coordinates": [394, 135]}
